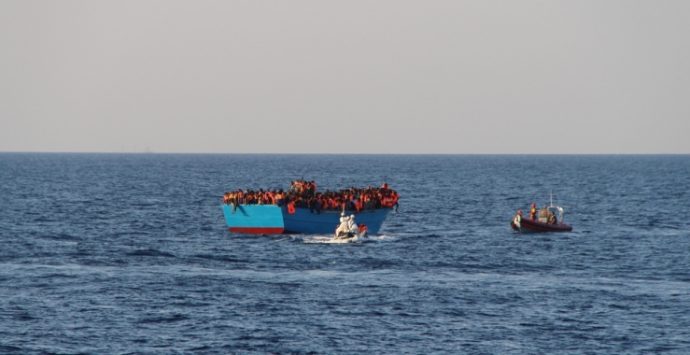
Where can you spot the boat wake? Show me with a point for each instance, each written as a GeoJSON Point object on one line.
{"type": "Point", "coordinates": [327, 240]}
{"type": "Point", "coordinates": [324, 239]}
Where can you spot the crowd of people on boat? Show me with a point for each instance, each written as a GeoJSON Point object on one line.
{"type": "Point", "coordinates": [303, 194]}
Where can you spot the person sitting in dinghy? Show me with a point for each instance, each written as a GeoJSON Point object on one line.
{"type": "Point", "coordinates": [363, 230]}
{"type": "Point", "coordinates": [544, 215]}
{"type": "Point", "coordinates": [518, 218]}
{"type": "Point", "coordinates": [552, 218]}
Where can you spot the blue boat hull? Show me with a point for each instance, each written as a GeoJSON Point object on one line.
{"type": "Point", "coordinates": [254, 219]}
{"type": "Point", "coordinates": [305, 221]}
{"type": "Point", "coordinates": [272, 219]}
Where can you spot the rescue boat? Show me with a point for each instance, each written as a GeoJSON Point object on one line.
{"type": "Point", "coordinates": [551, 221]}
{"type": "Point", "coordinates": [349, 231]}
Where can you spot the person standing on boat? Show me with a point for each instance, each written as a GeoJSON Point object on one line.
{"type": "Point", "coordinates": [351, 225]}
{"type": "Point", "coordinates": [343, 227]}
{"type": "Point", "coordinates": [533, 211]}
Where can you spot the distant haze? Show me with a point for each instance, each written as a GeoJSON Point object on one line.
{"type": "Point", "coordinates": [345, 76]}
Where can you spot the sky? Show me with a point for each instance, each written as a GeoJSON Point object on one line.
{"type": "Point", "coordinates": [380, 77]}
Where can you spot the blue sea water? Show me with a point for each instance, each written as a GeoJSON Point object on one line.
{"type": "Point", "coordinates": [109, 253]}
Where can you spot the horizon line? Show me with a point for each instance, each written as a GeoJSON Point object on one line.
{"type": "Point", "coordinates": [328, 153]}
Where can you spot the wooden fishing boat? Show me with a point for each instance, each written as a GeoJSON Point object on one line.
{"type": "Point", "coordinates": [291, 218]}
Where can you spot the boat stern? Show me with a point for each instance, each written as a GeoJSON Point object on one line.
{"type": "Point", "coordinates": [254, 219]}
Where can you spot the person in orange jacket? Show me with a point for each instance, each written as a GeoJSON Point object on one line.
{"type": "Point", "coordinates": [533, 211]}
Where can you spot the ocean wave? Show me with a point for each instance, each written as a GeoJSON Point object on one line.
{"type": "Point", "coordinates": [150, 252]}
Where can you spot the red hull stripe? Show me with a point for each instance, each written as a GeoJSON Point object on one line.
{"type": "Point", "coordinates": [541, 227]}
{"type": "Point", "coordinates": [256, 230]}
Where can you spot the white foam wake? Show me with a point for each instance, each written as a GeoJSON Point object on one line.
{"type": "Point", "coordinates": [320, 239]}
{"type": "Point", "coordinates": [323, 239]}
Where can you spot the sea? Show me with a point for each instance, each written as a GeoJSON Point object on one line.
{"type": "Point", "coordinates": [130, 254]}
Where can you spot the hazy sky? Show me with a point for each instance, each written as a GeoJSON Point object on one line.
{"type": "Point", "coordinates": [345, 76]}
